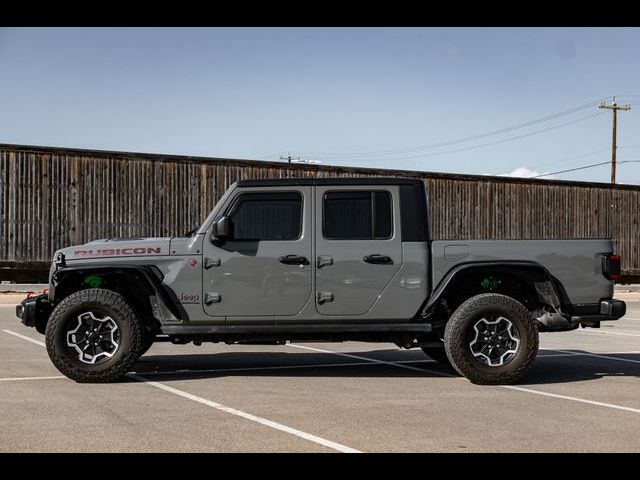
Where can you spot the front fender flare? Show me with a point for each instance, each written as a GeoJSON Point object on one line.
{"type": "Point", "coordinates": [151, 274]}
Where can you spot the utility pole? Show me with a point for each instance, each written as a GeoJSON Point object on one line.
{"type": "Point", "coordinates": [615, 107]}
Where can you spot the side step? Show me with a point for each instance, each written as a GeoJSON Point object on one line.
{"type": "Point", "coordinates": [221, 330]}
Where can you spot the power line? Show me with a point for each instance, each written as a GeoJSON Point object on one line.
{"type": "Point", "coordinates": [571, 170]}
{"type": "Point", "coordinates": [484, 144]}
{"type": "Point", "coordinates": [557, 162]}
{"type": "Point", "coordinates": [463, 139]}
{"type": "Point", "coordinates": [582, 168]}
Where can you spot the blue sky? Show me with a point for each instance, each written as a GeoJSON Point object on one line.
{"type": "Point", "coordinates": [337, 95]}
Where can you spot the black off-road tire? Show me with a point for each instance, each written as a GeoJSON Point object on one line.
{"type": "Point", "coordinates": [107, 303]}
{"type": "Point", "coordinates": [439, 354]}
{"type": "Point", "coordinates": [460, 327]}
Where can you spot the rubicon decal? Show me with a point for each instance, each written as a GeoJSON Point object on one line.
{"type": "Point", "coordinates": [110, 252]}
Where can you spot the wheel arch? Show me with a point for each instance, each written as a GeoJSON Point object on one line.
{"type": "Point", "coordinates": [524, 281]}
{"type": "Point", "coordinates": [134, 282]}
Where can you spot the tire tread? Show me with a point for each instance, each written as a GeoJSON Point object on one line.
{"type": "Point", "coordinates": [111, 300]}
{"type": "Point", "coordinates": [454, 346]}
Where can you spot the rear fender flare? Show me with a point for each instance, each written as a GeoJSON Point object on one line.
{"type": "Point", "coordinates": [517, 268]}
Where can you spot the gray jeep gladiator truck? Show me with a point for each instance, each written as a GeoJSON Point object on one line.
{"type": "Point", "coordinates": [321, 259]}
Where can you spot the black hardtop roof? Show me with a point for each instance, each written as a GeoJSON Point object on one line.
{"type": "Point", "coordinates": [307, 181]}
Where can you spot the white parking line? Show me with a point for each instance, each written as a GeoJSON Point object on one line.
{"type": "Point", "coordinates": [17, 379]}
{"type": "Point", "coordinates": [248, 416]}
{"type": "Point", "coordinates": [239, 413]}
{"type": "Point", "coordinates": [575, 399]}
{"type": "Point", "coordinates": [366, 360]}
{"type": "Point", "coordinates": [510, 387]}
{"type": "Point", "coordinates": [617, 334]}
{"type": "Point", "coordinates": [371, 360]}
{"type": "Point", "coordinates": [554, 355]}
{"type": "Point", "coordinates": [597, 355]}
{"type": "Point", "coordinates": [24, 337]}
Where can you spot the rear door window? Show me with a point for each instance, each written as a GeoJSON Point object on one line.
{"type": "Point", "coordinates": [357, 215]}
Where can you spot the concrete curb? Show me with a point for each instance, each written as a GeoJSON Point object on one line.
{"type": "Point", "coordinates": [22, 287]}
{"type": "Point", "coordinates": [627, 288]}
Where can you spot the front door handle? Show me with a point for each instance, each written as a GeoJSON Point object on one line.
{"type": "Point", "coordinates": [212, 297]}
{"type": "Point", "coordinates": [294, 260]}
{"type": "Point", "coordinates": [378, 259]}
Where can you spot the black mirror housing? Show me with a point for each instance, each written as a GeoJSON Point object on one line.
{"type": "Point", "coordinates": [222, 229]}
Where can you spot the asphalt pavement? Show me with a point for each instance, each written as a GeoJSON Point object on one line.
{"type": "Point", "coordinates": [581, 395]}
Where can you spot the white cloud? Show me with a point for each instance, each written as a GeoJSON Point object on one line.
{"type": "Point", "coordinates": [524, 172]}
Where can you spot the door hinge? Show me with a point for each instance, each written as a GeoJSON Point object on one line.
{"type": "Point", "coordinates": [212, 297]}
{"type": "Point", "coordinates": [324, 260]}
{"type": "Point", "coordinates": [211, 262]}
{"type": "Point", "coordinates": [324, 297]}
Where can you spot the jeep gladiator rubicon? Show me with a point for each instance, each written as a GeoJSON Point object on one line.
{"type": "Point", "coordinates": [322, 259]}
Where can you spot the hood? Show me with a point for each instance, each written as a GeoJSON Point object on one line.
{"type": "Point", "coordinates": [117, 247]}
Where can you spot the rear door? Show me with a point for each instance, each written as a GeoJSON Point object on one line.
{"type": "Point", "coordinates": [358, 246]}
{"type": "Point", "coordinates": [265, 269]}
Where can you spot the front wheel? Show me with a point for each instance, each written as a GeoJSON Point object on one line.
{"type": "Point", "coordinates": [491, 339]}
{"type": "Point", "coordinates": [93, 336]}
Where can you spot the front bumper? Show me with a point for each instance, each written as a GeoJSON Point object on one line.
{"type": "Point", "coordinates": [34, 312]}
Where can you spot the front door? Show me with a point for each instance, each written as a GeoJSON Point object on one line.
{"type": "Point", "coordinates": [264, 270]}
{"type": "Point", "coordinates": [358, 246]}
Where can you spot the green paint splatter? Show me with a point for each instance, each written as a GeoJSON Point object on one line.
{"type": "Point", "coordinates": [93, 281]}
{"type": "Point", "coordinates": [490, 283]}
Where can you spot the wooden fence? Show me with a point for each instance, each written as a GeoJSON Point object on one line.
{"type": "Point", "coordinates": [55, 197]}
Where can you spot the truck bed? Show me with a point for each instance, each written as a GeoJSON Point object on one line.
{"type": "Point", "coordinates": [577, 264]}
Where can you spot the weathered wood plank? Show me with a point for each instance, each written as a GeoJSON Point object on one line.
{"type": "Point", "coordinates": [51, 197]}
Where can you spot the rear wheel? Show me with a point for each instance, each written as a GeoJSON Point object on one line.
{"type": "Point", "coordinates": [491, 339]}
{"type": "Point", "coordinates": [93, 336]}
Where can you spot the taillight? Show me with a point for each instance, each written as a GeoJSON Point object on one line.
{"type": "Point", "coordinates": [611, 267]}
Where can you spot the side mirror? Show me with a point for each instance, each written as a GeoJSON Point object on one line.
{"type": "Point", "coordinates": [222, 229]}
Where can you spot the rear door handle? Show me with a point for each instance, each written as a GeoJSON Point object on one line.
{"type": "Point", "coordinates": [378, 259]}
{"type": "Point", "coordinates": [294, 260]}
{"type": "Point", "coordinates": [324, 260]}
